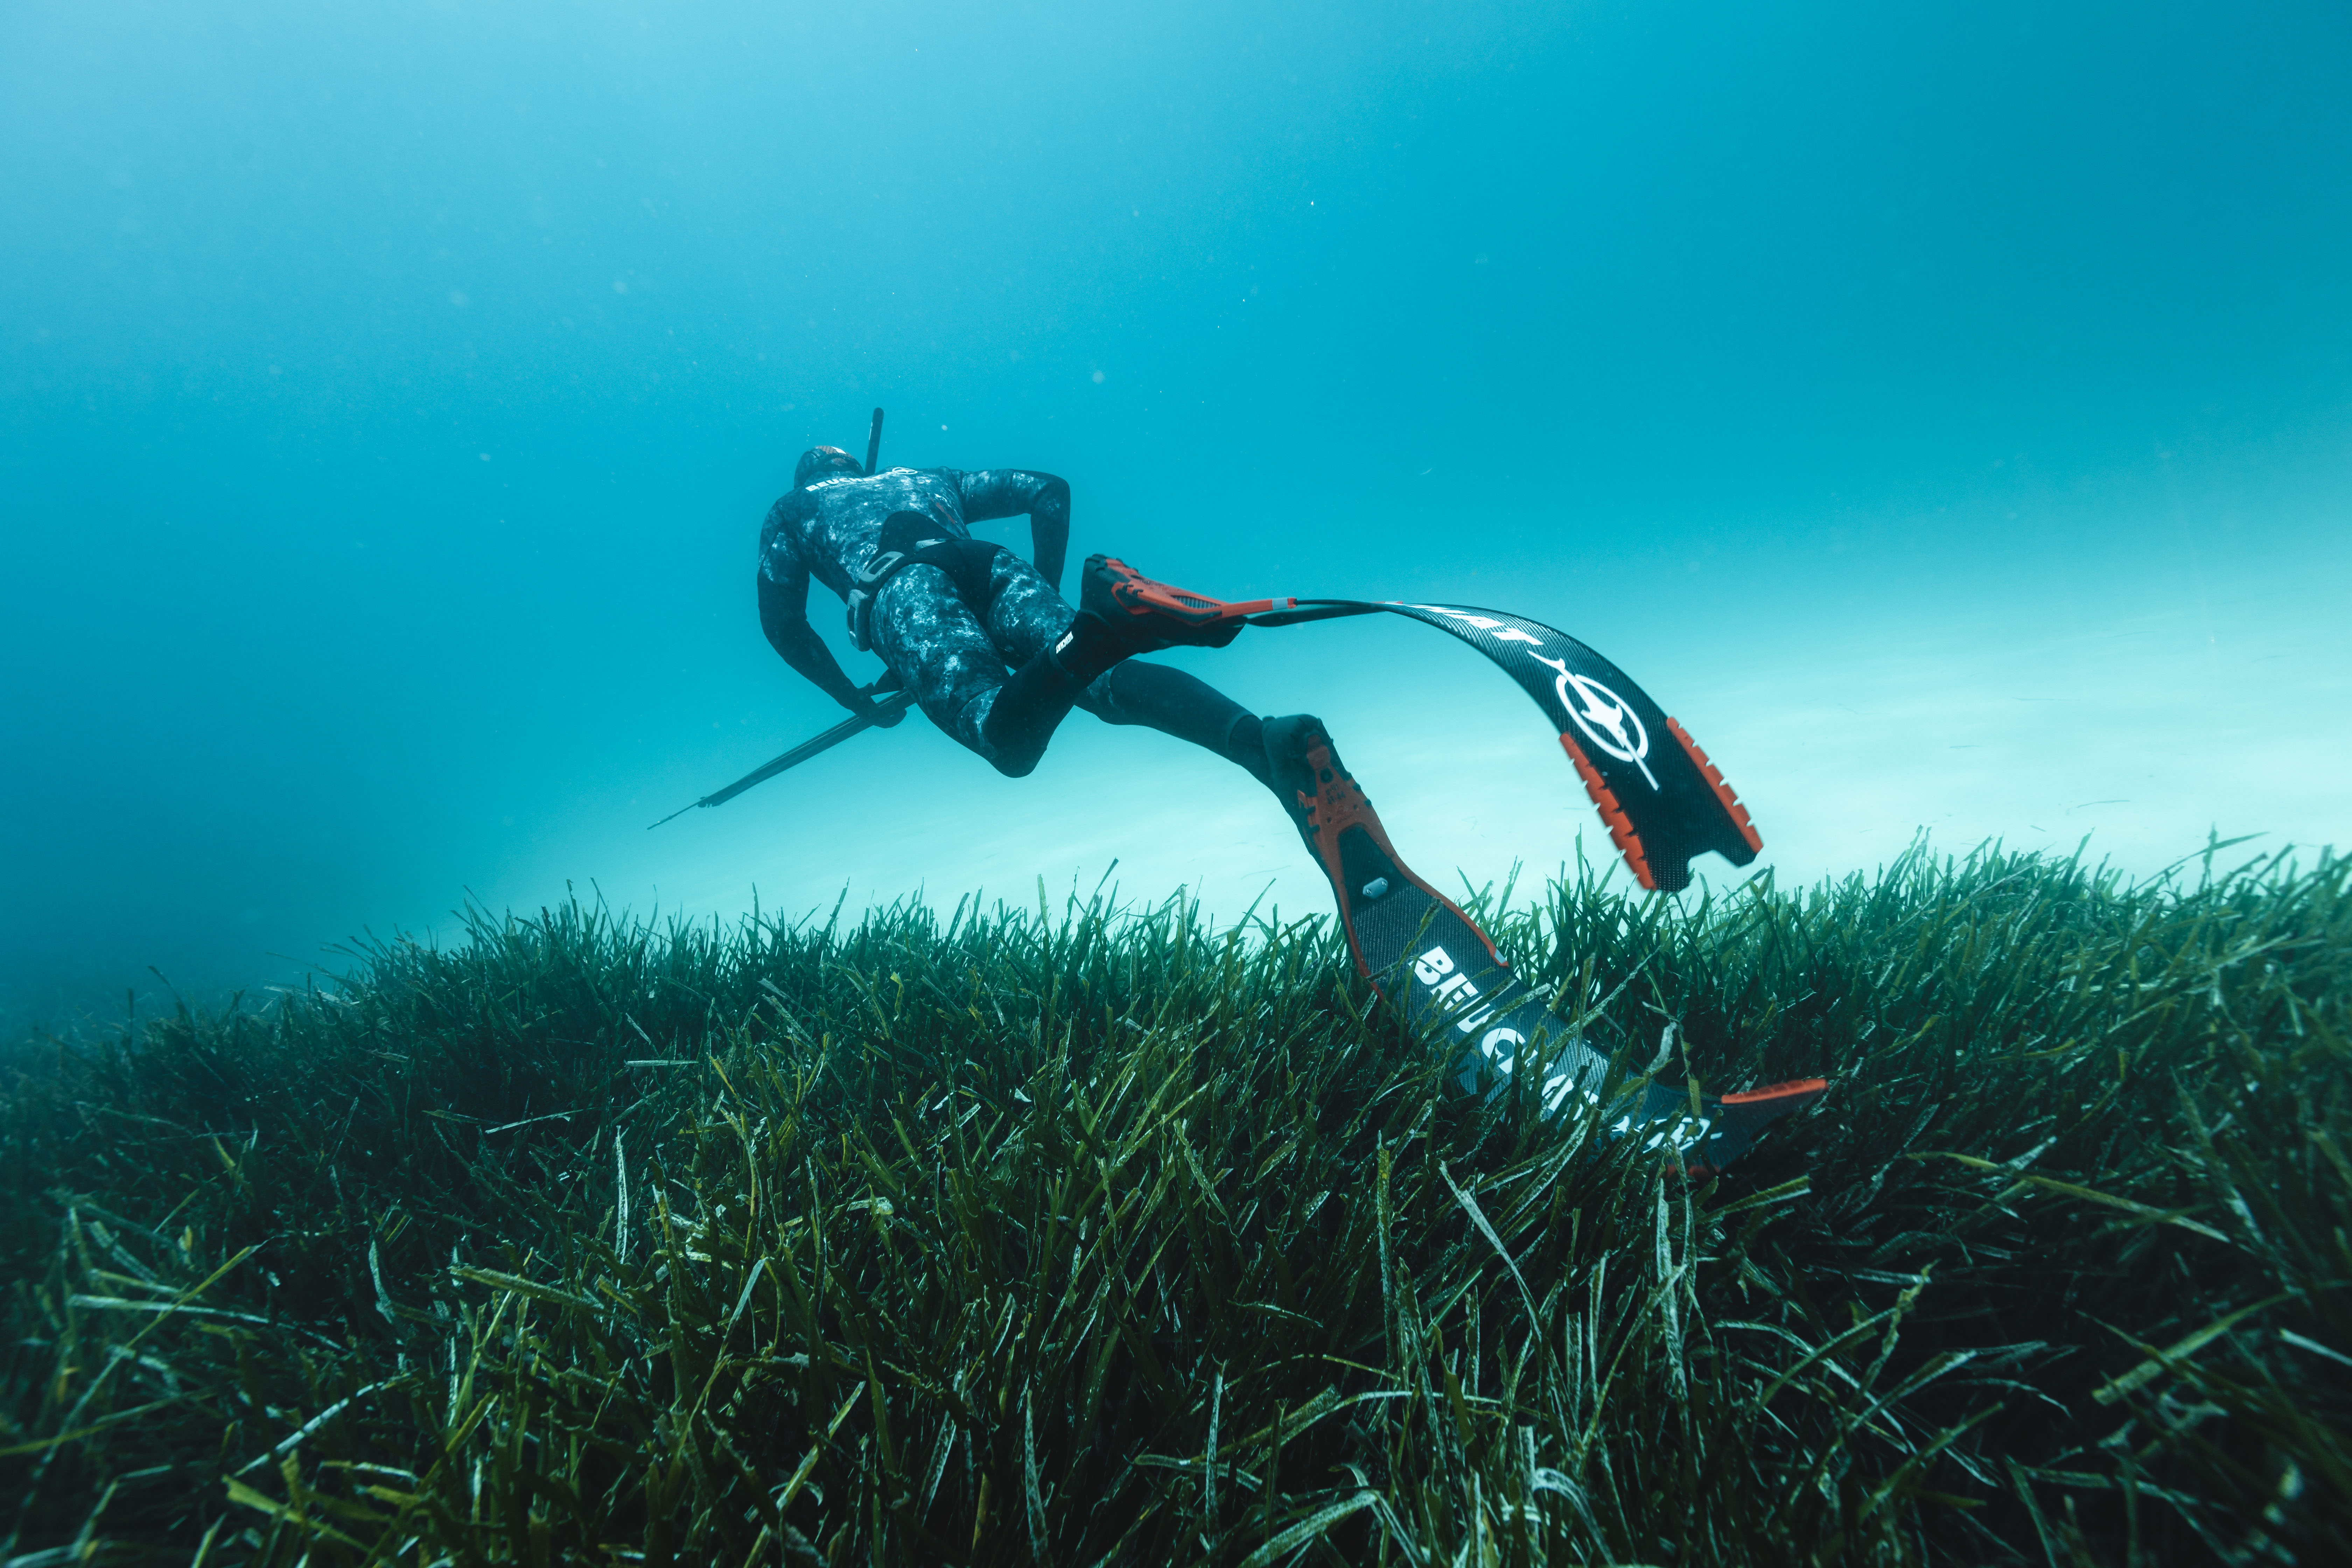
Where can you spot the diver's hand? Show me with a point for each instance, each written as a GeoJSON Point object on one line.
{"type": "Point", "coordinates": [865, 707]}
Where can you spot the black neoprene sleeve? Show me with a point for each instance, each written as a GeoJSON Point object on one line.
{"type": "Point", "coordinates": [783, 618]}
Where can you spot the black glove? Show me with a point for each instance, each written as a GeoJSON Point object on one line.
{"type": "Point", "coordinates": [884, 714]}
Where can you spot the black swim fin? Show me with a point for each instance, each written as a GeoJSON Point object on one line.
{"type": "Point", "coordinates": [1661, 799]}
{"type": "Point", "coordinates": [1453, 986]}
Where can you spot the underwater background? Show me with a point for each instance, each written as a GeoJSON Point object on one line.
{"type": "Point", "coordinates": [1943, 411]}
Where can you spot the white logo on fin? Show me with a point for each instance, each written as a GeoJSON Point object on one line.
{"type": "Point", "coordinates": [1607, 719]}
{"type": "Point", "coordinates": [1485, 624]}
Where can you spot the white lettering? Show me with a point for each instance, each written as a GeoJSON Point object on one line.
{"type": "Point", "coordinates": [1683, 1131]}
{"type": "Point", "coordinates": [1483, 623]}
{"type": "Point", "coordinates": [1431, 966]}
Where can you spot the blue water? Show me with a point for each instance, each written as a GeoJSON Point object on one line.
{"type": "Point", "coordinates": [1944, 410]}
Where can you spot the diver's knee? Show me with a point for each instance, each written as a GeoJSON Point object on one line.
{"type": "Point", "coordinates": [998, 736]}
{"type": "Point", "coordinates": [1099, 697]}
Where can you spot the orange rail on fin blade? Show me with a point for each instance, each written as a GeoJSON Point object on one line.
{"type": "Point", "coordinates": [1714, 777]}
{"type": "Point", "coordinates": [1794, 1086]}
{"type": "Point", "coordinates": [1612, 816]}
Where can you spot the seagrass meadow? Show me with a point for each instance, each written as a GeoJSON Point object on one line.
{"type": "Point", "coordinates": [1088, 1235]}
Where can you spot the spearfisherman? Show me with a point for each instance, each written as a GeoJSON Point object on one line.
{"type": "Point", "coordinates": [990, 649]}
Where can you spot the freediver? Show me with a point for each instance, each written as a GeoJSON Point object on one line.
{"type": "Point", "coordinates": [991, 652]}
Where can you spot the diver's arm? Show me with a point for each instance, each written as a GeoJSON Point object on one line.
{"type": "Point", "coordinates": [1003, 492]}
{"type": "Point", "coordinates": [784, 617]}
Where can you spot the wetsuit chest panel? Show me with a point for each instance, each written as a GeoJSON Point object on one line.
{"type": "Point", "coordinates": [835, 526]}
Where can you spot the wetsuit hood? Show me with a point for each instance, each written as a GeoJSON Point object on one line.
{"type": "Point", "coordinates": [823, 463]}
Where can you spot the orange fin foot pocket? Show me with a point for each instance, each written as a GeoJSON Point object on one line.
{"type": "Point", "coordinates": [1130, 591]}
{"type": "Point", "coordinates": [1339, 806]}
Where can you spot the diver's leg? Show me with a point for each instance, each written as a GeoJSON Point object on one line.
{"type": "Point", "coordinates": [1174, 703]}
{"type": "Point", "coordinates": [1056, 656]}
{"type": "Point", "coordinates": [946, 655]}
{"type": "Point", "coordinates": [1026, 617]}
{"type": "Point", "coordinates": [939, 650]}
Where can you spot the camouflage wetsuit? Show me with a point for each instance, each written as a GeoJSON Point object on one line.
{"type": "Point", "coordinates": [959, 647]}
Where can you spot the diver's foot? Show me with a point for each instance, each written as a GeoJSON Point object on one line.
{"type": "Point", "coordinates": [1151, 615]}
{"type": "Point", "coordinates": [1304, 770]}
{"type": "Point", "coordinates": [1388, 911]}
